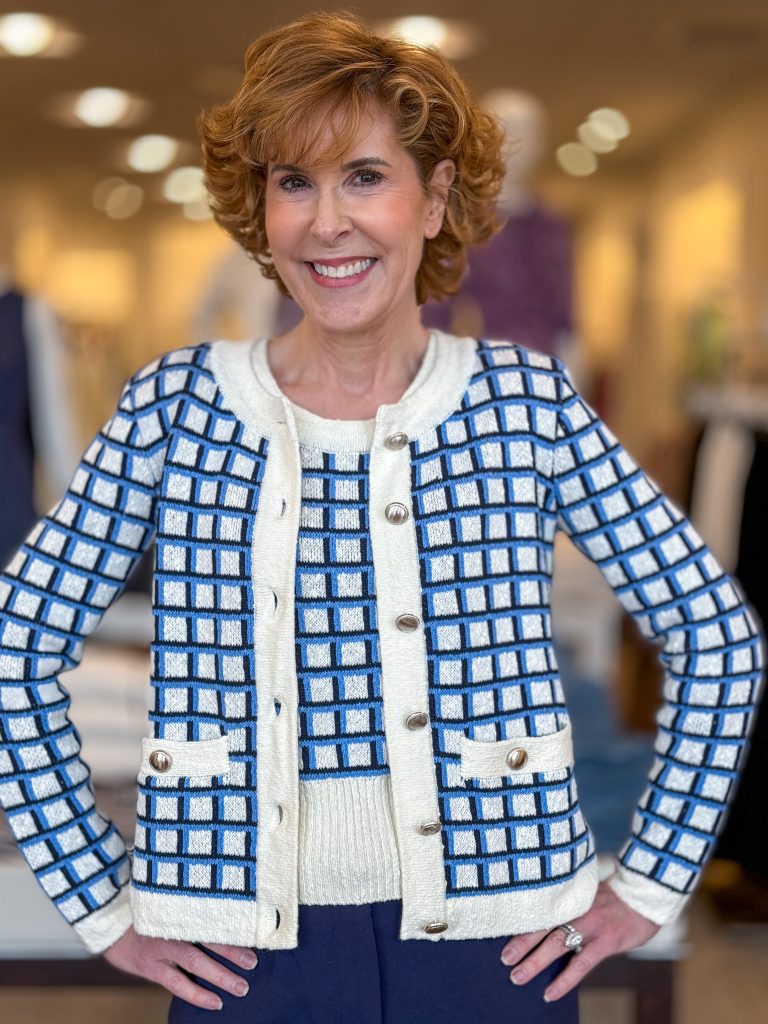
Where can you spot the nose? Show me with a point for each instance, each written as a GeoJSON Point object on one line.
{"type": "Point", "coordinates": [331, 220]}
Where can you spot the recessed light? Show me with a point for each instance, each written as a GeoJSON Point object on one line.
{"type": "Point", "coordinates": [454, 39]}
{"type": "Point", "coordinates": [152, 153]}
{"type": "Point", "coordinates": [118, 198]}
{"type": "Point", "coordinates": [24, 34]}
{"type": "Point", "coordinates": [593, 138]}
{"type": "Point", "coordinates": [576, 159]}
{"type": "Point", "coordinates": [610, 122]}
{"type": "Point", "coordinates": [185, 185]}
{"type": "Point", "coordinates": [102, 107]}
{"type": "Point", "coordinates": [197, 210]}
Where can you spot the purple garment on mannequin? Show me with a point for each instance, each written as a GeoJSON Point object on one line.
{"type": "Point", "coordinates": [519, 283]}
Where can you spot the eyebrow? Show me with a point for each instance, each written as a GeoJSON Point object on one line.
{"type": "Point", "coordinates": [353, 165]}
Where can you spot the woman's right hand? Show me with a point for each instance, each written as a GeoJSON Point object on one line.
{"type": "Point", "coordinates": [160, 960]}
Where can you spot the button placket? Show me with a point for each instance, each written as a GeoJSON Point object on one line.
{"type": "Point", "coordinates": [409, 738]}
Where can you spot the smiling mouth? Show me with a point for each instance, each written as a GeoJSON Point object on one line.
{"type": "Point", "coordinates": [335, 272]}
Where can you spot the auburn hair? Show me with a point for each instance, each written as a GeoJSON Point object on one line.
{"type": "Point", "coordinates": [330, 68]}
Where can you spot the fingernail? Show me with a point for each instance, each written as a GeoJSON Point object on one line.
{"type": "Point", "coordinates": [549, 997]}
{"type": "Point", "coordinates": [508, 956]}
{"type": "Point", "coordinates": [215, 1003]}
{"type": "Point", "coordinates": [241, 988]}
{"type": "Point", "coordinates": [517, 977]}
{"type": "Point", "coordinates": [248, 961]}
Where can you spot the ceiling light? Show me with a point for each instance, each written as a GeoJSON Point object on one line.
{"type": "Point", "coordinates": [118, 198]}
{"type": "Point", "coordinates": [610, 123]}
{"type": "Point", "coordinates": [124, 201]}
{"type": "Point", "coordinates": [454, 39]}
{"type": "Point", "coordinates": [151, 153]}
{"type": "Point", "coordinates": [185, 185]}
{"type": "Point", "coordinates": [576, 159]}
{"type": "Point", "coordinates": [590, 134]}
{"type": "Point", "coordinates": [102, 107]}
{"type": "Point", "coordinates": [197, 210]}
{"type": "Point", "coordinates": [25, 34]}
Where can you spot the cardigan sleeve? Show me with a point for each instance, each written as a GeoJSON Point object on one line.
{"type": "Point", "coordinates": [709, 646]}
{"type": "Point", "coordinates": [52, 595]}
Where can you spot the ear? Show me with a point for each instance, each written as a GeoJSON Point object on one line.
{"type": "Point", "coordinates": [440, 181]}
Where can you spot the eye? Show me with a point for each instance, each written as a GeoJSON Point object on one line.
{"type": "Point", "coordinates": [292, 183]}
{"type": "Point", "coordinates": [366, 177]}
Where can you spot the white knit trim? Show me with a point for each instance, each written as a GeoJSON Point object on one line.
{"type": "Point", "coordinates": [242, 372]}
{"type": "Point", "coordinates": [542, 754]}
{"type": "Point", "coordinates": [187, 757]}
{"type": "Point", "coordinates": [277, 725]}
{"type": "Point", "coordinates": [347, 849]}
{"type": "Point", "coordinates": [512, 913]}
{"type": "Point", "coordinates": [104, 927]}
{"type": "Point", "coordinates": [204, 919]}
{"type": "Point", "coordinates": [246, 923]}
{"type": "Point", "coordinates": [404, 681]}
{"type": "Point", "coordinates": [654, 901]}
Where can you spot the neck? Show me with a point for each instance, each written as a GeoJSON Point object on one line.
{"type": "Point", "coordinates": [346, 375]}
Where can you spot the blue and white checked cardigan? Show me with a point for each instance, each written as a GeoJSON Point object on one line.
{"type": "Point", "coordinates": [499, 451]}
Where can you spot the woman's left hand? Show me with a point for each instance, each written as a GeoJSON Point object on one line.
{"type": "Point", "coordinates": [608, 927]}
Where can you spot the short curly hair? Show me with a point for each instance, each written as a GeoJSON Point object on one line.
{"type": "Point", "coordinates": [330, 66]}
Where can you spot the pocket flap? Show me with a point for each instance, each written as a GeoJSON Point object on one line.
{"type": "Point", "coordinates": [177, 758]}
{"type": "Point", "coordinates": [517, 755]}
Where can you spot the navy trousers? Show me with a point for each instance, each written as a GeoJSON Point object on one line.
{"type": "Point", "coordinates": [351, 968]}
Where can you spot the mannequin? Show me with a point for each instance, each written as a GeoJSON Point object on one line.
{"type": "Point", "coordinates": [518, 286]}
{"type": "Point", "coordinates": [37, 427]}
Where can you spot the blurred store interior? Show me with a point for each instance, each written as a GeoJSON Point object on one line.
{"type": "Point", "coordinates": [641, 147]}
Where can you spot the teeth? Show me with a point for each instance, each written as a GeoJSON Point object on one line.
{"type": "Point", "coordinates": [346, 270]}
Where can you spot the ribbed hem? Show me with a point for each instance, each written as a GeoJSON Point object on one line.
{"type": "Point", "coordinates": [347, 847]}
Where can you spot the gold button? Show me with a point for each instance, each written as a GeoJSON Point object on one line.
{"type": "Point", "coordinates": [396, 441]}
{"type": "Point", "coordinates": [417, 720]}
{"type": "Point", "coordinates": [435, 927]}
{"type": "Point", "coordinates": [517, 757]}
{"type": "Point", "coordinates": [396, 513]}
{"type": "Point", "coordinates": [407, 623]}
{"type": "Point", "coordinates": [429, 828]}
{"type": "Point", "coordinates": [160, 761]}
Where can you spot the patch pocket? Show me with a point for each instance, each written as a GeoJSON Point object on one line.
{"type": "Point", "coordinates": [176, 759]}
{"type": "Point", "coordinates": [524, 755]}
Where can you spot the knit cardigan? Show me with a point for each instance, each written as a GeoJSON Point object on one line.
{"type": "Point", "coordinates": [470, 476]}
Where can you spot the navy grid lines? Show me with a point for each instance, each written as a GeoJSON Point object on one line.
{"type": "Point", "coordinates": [337, 647]}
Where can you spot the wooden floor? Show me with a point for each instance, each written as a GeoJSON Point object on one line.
{"type": "Point", "coordinates": [724, 980]}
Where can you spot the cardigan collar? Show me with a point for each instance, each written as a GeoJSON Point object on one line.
{"type": "Point", "coordinates": [249, 388]}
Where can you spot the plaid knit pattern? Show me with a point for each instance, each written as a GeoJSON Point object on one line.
{"type": "Point", "coordinates": [490, 484]}
{"type": "Point", "coordinates": [337, 650]}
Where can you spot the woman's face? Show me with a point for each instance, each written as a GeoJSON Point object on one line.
{"type": "Point", "coordinates": [347, 236]}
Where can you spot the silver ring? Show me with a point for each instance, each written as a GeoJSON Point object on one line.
{"type": "Point", "coordinates": [573, 939]}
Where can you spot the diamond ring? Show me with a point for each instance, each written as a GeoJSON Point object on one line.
{"type": "Point", "coordinates": [573, 939]}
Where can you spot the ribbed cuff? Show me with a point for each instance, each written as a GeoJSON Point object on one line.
{"type": "Point", "coordinates": [654, 901]}
{"type": "Point", "coordinates": [104, 927]}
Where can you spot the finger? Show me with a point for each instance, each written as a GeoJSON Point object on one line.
{"type": "Point", "coordinates": [178, 984]}
{"type": "Point", "coordinates": [196, 962]}
{"type": "Point", "coordinates": [241, 955]}
{"type": "Point", "coordinates": [578, 968]}
{"type": "Point", "coordinates": [520, 945]}
{"type": "Point", "coordinates": [550, 949]}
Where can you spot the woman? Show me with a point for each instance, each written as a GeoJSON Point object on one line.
{"type": "Point", "coordinates": [354, 528]}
